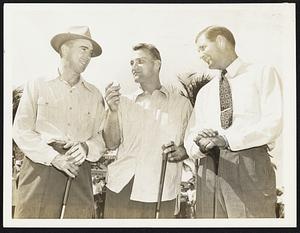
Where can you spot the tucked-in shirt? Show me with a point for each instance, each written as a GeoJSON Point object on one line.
{"type": "Point", "coordinates": [148, 121]}
{"type": "Point", "coordinates": [257, 108]}
{"type": "Point", "coordinates": [52, 109]}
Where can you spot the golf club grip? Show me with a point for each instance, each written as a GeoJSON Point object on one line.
{"type": "Point", "coordinates": [67, 189]}
{"type": "Point", "coordinates": [161, 184]}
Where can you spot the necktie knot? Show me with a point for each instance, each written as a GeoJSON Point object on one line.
{"type": "Point", "coordinates": [223, 73]}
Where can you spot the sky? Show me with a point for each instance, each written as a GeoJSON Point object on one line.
{"type": "Point", "coordinates": [264, 33]}
{"type": "Point", "coordinates": [259, 32]}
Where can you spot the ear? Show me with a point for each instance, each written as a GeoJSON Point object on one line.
{"type": "Point", "coordinates": [157, 64]}
{"type": "Point", "coordinates": [221, 41]}
{"type": "Point", "coordinates": [64, 49]}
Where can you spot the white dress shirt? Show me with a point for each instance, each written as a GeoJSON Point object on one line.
{"type": "Point", "coordinates": [257, 108]}
{"type": "Point", "coordinates": [148, 121]}
{"type": "Point", "coordinates": [52, 109]}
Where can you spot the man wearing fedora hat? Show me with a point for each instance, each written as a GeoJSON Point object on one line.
{"type": "Point", "coordinates": [58, 127]}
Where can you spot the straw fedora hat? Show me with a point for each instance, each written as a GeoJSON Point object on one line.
{"type": "Point", "coordinates": [75, 32]}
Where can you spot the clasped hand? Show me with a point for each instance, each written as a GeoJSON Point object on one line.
{"type": "Point", "coordinates": [174, 153]}
{"type": "Point", "coordinates": [71, 156]}
{"type": "Point", "coordinates": [208, 139]}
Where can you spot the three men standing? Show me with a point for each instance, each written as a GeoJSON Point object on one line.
{"type": "Point", "coordinates": [236, 119]}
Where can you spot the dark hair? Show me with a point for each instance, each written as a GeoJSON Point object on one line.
{"type": "Point", "coordinates": [212, 32]}
{"type": "Point", "coordinates": [150, 48]}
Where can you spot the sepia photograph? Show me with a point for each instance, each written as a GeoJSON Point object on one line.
{"type": "Point", "coordinates": [147, 115]}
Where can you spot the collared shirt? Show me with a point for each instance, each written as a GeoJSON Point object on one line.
{"type": "Point", "coordinates": [257, 108]}
{"type": "Point", "coordinates": [147, 121]}
{"type": "Point", "coordinates": [52, 109]}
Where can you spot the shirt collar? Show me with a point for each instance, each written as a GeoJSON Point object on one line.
{"type": "Point", "coordinates": [233, 68]}
{"type": "Point", "coordinates": [140, 92]}
{"type": "Point", "coordinates": [80, 82]}
{"type": "Point", "coordinates": [86, 84]}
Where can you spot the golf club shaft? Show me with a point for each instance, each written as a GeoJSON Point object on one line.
{"type": "Point", "coordinates": [62, 213]}
{"type": "Point", "coordinates": [161, 184]}
{"type": "Point", "coordinates": [66, 195]}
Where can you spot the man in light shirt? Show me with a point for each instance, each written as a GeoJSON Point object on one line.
{"type": "Point", "coordinates": [236, 119]}
{"type": "Point", "coordinates": [139, 125]}
{"type": "Point", "coordinates": [58, 127]}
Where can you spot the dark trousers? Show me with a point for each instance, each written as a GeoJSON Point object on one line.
{"type": "Point", "coordinates": [41, 190]}
{"type": "Point", "coordinates": [238, 184]}
{"type": "Point", "coordinates": [119, 205]}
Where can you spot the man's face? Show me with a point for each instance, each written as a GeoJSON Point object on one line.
{"type": "Point", "coordinates": [142, 66]}
{"type": "Point", "coordinates": [209, 52]}
{"type": "Point", "coordinates": [79, 55]}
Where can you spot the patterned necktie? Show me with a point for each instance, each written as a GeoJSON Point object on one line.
{"type": "Point", "coordinates": [225, 101]}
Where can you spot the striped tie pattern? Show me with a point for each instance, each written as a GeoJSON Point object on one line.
{"type": "Point", "coordinates": [225, 101]}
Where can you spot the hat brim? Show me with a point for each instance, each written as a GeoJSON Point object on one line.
{"type": "Point", "coordinates": [61, 38]}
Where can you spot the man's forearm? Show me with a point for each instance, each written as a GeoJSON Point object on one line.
{"type": "Point", "coordinates": [111, 133]}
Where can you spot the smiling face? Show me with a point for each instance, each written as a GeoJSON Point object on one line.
{"type": "Point", "coordinates": [143, 66]}
{"type": "Point", "coordinates": [77, 54]}
{"type": "Point", "coordinates": [210, 52]}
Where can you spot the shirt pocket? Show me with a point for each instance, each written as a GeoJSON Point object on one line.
{"type": "Point", "coordinates": [47, 109]}
{"type": "Point", "coordinates": [246, 106]}
{"type": "Point", "coordinates": [246, 113]}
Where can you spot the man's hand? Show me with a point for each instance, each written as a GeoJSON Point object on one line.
{"type": "Point", "coordinates": [208, 138]}
{"type": "Point", "coordinates": [59, 146]}
{"type": "Point", "coordinates": [78, 152]}
{"type": "Point", "coordinates": [175, 153]}
{"type": "Point", "coordinates": [208, 133]}
{"type": "Point", "coordinates": [204, 144]}
{"type": "Point", "coordinates": [112, 96]}
{"type": "Point", "coordinates": [61, 163]}
{"type": "Point", "coordinates": [219, 141]}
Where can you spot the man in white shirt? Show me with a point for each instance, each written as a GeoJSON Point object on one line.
{"type": "Point", "coordinates": [139, 125]}
{"type": "Point", "coordinates": [236, 119]}
{"type": "Point", "coordinates": [58, 127]}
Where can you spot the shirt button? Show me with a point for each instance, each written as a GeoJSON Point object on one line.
{"type": "Point", "coordinates": [46, 103]}
{"type": "Point", "coordinates": [69, 124]}
{"type": "Point", "coordinates": [70, 108]}
{"type": "Point", "coordinates": [89, 113]}
{"type": "Point", "coordinates": [71, 91]}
